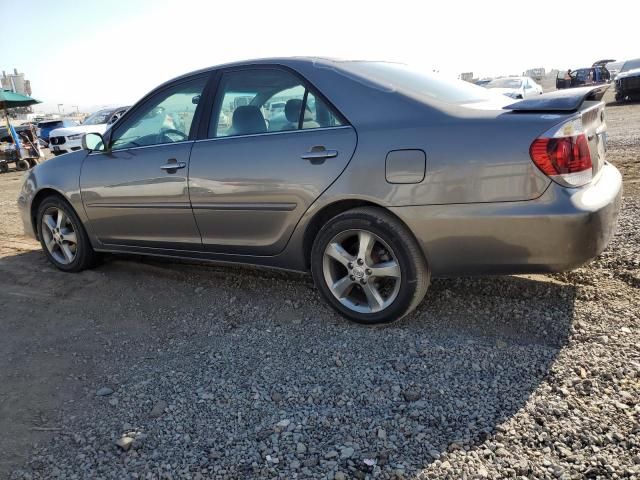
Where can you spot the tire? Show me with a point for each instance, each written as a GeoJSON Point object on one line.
{"type": "Point", "coordinates": [393, 247]}
{"type": "Point", "coordinates": [83, 254]}
{"type": "Point", "coordinates": [4, 167]}
{"type": "Point", "coordinates": [22, 165]}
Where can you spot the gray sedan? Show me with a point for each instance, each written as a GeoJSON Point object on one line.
{"type": "Point", "coordinates": [374, 178]}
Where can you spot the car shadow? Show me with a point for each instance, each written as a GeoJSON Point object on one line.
{"type": "Point", "coordinates": [613, 104]}
{"type": "Point", "coordinates": [448, 376]}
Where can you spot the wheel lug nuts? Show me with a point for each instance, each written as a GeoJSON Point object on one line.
{"type": "Point", "coordinates": [352, 277]}
{"type": "Point", "coordinates": [368, 270]}
{"type": "Point", "coordinates": [363, 281]}
{"type": "Point", "coordinates": [360, 261]}
{"type": "Point", "coordinates": [350, 264]}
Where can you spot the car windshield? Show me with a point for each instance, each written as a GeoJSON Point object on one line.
{"type": "Point", "coordinates": [393, 76]}
{"type": "Point", "coordinates": [98, 118]}
{"type": "Point", "coordinates": [505, 83]}
{"type": "Point", "coordinates": [630, 65]}
{"type": "Point", "coordinates": [55, 123]}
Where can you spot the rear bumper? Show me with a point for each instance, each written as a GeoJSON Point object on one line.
{"type": "Point", "coordinates": [561, 230]}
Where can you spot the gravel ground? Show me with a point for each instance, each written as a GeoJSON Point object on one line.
{"type": "Point", "coordinates": [151, 369]}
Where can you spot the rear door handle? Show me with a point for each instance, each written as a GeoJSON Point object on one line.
{"type": "Point", "coordinates": [319, 153]}
{"type": "Point", "coordinates": [172, 165]}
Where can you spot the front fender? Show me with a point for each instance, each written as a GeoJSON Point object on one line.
{"type": "Point", "coordinates": [59, 175]}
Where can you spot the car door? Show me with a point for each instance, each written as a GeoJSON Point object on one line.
{"type": "Point", "coordinates": [136, 193]}
{"type": "Point", "coordinates": [252, 179]}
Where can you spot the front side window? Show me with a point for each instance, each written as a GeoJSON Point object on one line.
{"type": "Point", "coordinates": [165, 118]}
{"type": "Point", "coordinates": [266, 100]}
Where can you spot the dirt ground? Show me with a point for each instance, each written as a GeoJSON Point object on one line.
{"type": "Point", "coordinates": [60, 333]}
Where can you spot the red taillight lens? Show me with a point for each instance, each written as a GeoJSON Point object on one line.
{"type": "Point", "coordinates": [563, 157]}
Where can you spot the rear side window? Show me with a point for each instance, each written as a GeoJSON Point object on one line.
{"type": "Point", "coordinates": [398, 77]}
{"type": "Point", "coordinates": [264, 100]}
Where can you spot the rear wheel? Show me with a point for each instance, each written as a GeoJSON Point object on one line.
{"type": "Point", "coordinates": [4, 166]}
{"type": "Point", "coordinates": [368, 266]}
{"type": "Point", "coordinates": [63, 237]}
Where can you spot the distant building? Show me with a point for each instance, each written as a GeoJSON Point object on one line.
{"type": "Point", "coordinates": [16, 82]}
{"type": "Point", "coordinates": [466, 76]}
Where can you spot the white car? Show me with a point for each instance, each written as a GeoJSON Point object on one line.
{"type": "Point", "coordinates": [515, 87]}
{"type": "Point", "coordinates": [69, 139]}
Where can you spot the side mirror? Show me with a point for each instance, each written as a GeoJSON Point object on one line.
{"type": "Point", "coordinates": [93, 142]}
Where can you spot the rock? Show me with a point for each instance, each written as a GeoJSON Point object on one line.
{"type": "Point", "coordinates": [158, 409]}
{"type": "Point", "coordinates": [124, 443]}
{"type": "Point", "coordinates": [294, 465]}
{"type": "Point", "coordinates": [301, 448]}
{"type": "Point", "coordinates": [113, 402]}
{"type": "Point", "coordinates": [104, 391]}
{"type": "Point", "coordinates": [215, 454]}
{"type": "Point", "coordinates": [346, 452]}
{"type": "Point", "coordinates": [139, 441]}
{"type": "Point", "coordinates": [382, 434]}
{"type": "Point", "coordinates": [276, 397]}
{"type": "Point", "coordinates": [330, 454]}
{"type": "Point", "coordinates": [283, 424]}
{"type": "Point", "coordinates": [312, 461]}
{"type": "Point", "coordinates": [412, 394]}
{"type": "Point", "coordinates": [199, 289]}
{"type": "Point", "coordinates": [339, 476]}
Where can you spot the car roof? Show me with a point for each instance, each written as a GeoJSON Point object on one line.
{"type": "Point", "coordinates": [284, 61]}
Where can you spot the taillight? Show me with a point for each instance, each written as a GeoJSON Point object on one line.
{"type": "Point", "coordinates": [563, 154]}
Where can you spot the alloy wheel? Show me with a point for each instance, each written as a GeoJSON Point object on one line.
{"type": "Point", "coordinates": [59, 235]}
{"type": "Point", "coordinates": [361, 271]}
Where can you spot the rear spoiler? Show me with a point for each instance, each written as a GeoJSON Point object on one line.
{"type": "Point", "coordinates": [566, 100]}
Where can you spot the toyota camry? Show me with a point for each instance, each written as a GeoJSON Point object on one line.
{"type": "Point", "coordinates": [370, 175]}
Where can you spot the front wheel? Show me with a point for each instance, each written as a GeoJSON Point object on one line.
{"type": "Point", "coordinates": [368, 266]}
{"type": "Point", "coordinates": [63, 237]}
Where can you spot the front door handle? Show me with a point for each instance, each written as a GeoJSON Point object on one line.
{"type": "Point", "coordinates": [173, 165]}
{"type": "Point", "coordinates": [319, 154]}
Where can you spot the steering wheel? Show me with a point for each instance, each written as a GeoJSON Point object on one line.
{"type": "Point", "coordinates": [167, 132]}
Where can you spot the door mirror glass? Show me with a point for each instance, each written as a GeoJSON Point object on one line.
{"type": "Point", "coordinates": [93, 142]}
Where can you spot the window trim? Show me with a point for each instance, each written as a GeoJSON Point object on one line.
{"type": "Point", "coordinates": [144, 101]}
{"type": "Point", "coordinates": [213, 103]}
{"type": "Point", "coordinates": [263, 134]}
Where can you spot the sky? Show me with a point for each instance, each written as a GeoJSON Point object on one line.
{"type": "Point", "coordinates": [97, 53]}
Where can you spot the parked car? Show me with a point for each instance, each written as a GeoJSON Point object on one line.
{"type": "Point", "coordinates": [45, 127]}
{"type": "Point", "coordinates": [597, 74]}
{"type": "Point", "coordinates": [628, 81]}
{"type": "Point", "coordinates": [384, 178]}
{"type": "Point", "coordinates": [515, 87]}
{"type": "Point", "coordinates": [483, 82]}
{"type": "Point", "coordinates": [69, 139]}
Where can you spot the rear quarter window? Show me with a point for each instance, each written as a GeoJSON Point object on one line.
{"type": "Point", "coordinates": [398, 77]}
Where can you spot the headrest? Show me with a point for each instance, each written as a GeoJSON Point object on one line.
{"type": "Point", "coordinates": [248, 119]}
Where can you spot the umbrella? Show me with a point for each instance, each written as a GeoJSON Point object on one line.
{"type": "Point", "coordinates": [9, 99]}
